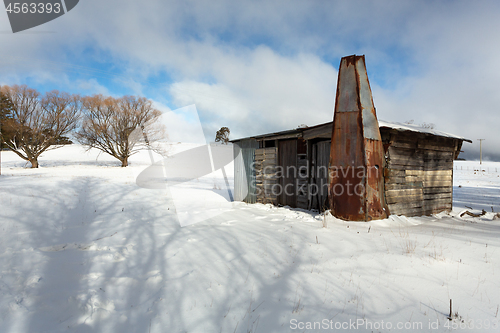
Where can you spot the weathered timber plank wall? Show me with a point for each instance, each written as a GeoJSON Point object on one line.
{"type": "Point", "coordinates": [265, 174]}
{"type": "Point", "coordinates": [419, 173]}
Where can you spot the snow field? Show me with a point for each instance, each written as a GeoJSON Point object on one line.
{"type": "Point", "coordinates": [84, 249]}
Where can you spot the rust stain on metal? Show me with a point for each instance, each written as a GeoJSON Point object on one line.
{"type": "Point", "coordinates": [357, 154]}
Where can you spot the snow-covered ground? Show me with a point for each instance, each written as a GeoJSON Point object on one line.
{"type": "Point", "coordinates": [477, 185]}
{"type": "Point", "coordinates": [84, 249]}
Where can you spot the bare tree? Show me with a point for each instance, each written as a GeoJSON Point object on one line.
{"type": "Point", "coordinates": [423, 125]}
{"type": "Point", "coordinates": [428, 125]}
{"type": "Point", "coordinates": [38, 123]}
{"type": "Point", "coordinates": [119, 127]}
{"type": "Point", "coordinates": [222, 135]}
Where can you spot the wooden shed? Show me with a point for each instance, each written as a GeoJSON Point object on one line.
{"type": "Point", "coordinates": [273, 153]}
{"type": "Point", "coordinates": [290, 168]}
{"type": "Point", "coordinates": [418, 174]}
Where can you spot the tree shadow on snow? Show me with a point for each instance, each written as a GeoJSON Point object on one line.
{"type": "Point", "coordinates": [100, 256]}
{"type": "Point", "coordinates": [86, 259]}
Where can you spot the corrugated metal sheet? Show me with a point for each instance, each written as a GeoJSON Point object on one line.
{"type": "Point", "coordinates": [357, 153]}
{"type": "Point", "coordinates": [414, 128]}
{"type": "Point", "coordinates": [318, 187]}
{"type": "Point", "coordinates": [244, 172]}
{"type": "Point", "coordinates": [324, 130]}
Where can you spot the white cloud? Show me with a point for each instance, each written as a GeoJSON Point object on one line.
{"type": "Point", "coordinates": [268, 65]}
{"type": "Point", "coordinates": [263, 91]}
{"type": "Point", "coordinates": [182, 125]}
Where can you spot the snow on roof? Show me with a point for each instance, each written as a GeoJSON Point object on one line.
{"type": "Point", "coordinates": [415, 128]}
{"type": "Point", "coordinates": [381, 123]}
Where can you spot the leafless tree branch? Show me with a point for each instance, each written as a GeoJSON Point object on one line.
{"type": "Point", "coordinates": [117, 126]}
{"type": "Point", "coordinates": [38, 123]}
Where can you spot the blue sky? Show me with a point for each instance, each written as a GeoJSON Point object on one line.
{"type": "Point", "coordinates": [264, 66]}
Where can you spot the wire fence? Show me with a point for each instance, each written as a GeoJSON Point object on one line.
{"type": "Point", "coordinates": [476, 168]}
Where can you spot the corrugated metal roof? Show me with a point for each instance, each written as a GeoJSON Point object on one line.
{"type": "Point", "coordinates": [382, 124]}
{"type": "Point", "coordinates": [418, 129]}
{"type": "Point", "coordinates": [273, 134]}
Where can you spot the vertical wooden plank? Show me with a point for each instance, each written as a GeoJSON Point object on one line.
{"type": "Point", "coordinates": [287, 152]}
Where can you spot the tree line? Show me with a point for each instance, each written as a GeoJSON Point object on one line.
{"type": "Point", "coordinates": [32, 123]}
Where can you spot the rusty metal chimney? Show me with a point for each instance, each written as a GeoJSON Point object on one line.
{"type": "Point", "coordinates": [356, 189]}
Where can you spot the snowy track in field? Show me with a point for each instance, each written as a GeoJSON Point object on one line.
{"type": "Point", "coordinates": [84, 249]}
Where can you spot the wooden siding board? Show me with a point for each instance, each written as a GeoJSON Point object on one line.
{"type": "Point", "coordinates": [443, 189]}
{"type": "Point", "coordinates": [406, 198]}
{"type": "Point", "coordinates": [433, 196]}
{"type": "Point", "coordinates": [437, 173]}
{"type": "Point", "coordinates": [405, 205]}
{"type": "Point", "coordinates": [403, 186]}
{"type": "Point", "coordinates": [419, 173]}
{"type": "Point", "coordinates": [265, 166]}
{"type": "Point", "coordinates": [404, 192]}
{"type": "Point", "coordinates": [422, 168]}
{"type": "Point", "coordinates": [287, 161]}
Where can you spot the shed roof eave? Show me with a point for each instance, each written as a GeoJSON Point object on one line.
{"type": "Point", "coordinates": [413, 128]}
{"type": "Point", "coordinates": [382, 124]}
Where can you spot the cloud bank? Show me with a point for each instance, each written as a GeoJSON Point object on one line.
{"type": "Point", "coordinates": [272, 65]}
